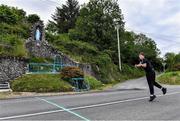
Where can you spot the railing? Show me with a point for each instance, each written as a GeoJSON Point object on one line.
{"type": "Point", "coordinates": [45, 68]}
{"type": "Point", "coordinates": [4, 85]}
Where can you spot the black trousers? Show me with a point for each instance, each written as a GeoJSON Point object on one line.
{"type": "Point", "coordinates": [151, 79]}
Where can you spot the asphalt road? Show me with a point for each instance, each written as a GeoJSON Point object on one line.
{"type": "Point", "coordinates": [123, 102]}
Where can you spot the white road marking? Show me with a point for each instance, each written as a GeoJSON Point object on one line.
{"type": "Point", "coordinates": [82, 107]}
{"type": "Point", "coordinates": [65, 109]}
{"type": "Point", "coordinates": [18, 100]}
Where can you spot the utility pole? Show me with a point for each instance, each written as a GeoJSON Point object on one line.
{"type": "Point", "coordinates": [119, 49]}
{"type": "Point", "coordinates": [164, 66]}
{"type": "Point", "coordinates": [54, 65]}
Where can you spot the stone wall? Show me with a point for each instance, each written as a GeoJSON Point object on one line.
{"type": "Point", "coordinates": [11, 68]}
{"type": "Point", "coordinates": [87, 69]}
{"type": "Point", "coordinates": [41, 49]}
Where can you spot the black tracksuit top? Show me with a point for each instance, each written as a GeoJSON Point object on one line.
{"type": "Point", "coordinates": [149, 68]}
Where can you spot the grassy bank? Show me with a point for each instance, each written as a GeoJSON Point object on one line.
{"type": "Point", "coordinates": [172, 78]}
{"type": "Point", "coordinates": [40, 83]}
{"type": "Point", "coordinates": [12, 39]}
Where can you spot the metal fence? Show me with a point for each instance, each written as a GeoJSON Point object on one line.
{"type": "Point", "coordinates": [42, 68]}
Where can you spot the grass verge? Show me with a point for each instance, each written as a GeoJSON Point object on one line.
{"type": "Point", "coordinates": [171, 78]}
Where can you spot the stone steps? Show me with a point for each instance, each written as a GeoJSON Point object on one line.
{"type": "Point", "coordinates": [4, 86]}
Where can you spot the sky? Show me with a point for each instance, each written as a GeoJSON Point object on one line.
{"type": "Point", "coordinates": [158, 19]}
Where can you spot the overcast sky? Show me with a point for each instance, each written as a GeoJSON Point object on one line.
{"type": "Point", "coordinates": [158, 19]}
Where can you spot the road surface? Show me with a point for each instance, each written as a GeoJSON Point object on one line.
{"type": "Point", "coordinates": [122, 102]}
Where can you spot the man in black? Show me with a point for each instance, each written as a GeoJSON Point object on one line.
{"type": "Point", "coordinates": [150, 75]}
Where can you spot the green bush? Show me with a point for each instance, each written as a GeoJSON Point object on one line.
{"type": "Point", "coordinates": [176, 67]}
{"type": "Point", "coordinates": [93, 82]}
{"type": "Point", "coordinates": [131, 72]}
{"type": "Point", "coordinates": [12, 45]}
{"type": "Point", "coordinates": [40, 83]}
{"type": "Point", "coordinates": [172, 78]}
{"type": "Point", "coordinates": [71, 72]}
{"type": "Point", "coordinates": [104, 68]}
{"type": "Point", "coordinates": [21, 30]}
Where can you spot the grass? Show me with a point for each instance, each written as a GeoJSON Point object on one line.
{"type": "Point", "coordinates": [49, 83]}
{"type": "Point", "coordinates": [12, 39]}
{"type": "Point", "coordinates": [93, 82]}
{"type": "Point", "coordinates": [78, 50]}
{"type": "Point", "coordinates": [40, 83]}
{"type": "Point", "coordinates": [171, 78]}
{"type": "Point", "coordinates": [4, 95]}
{"type": "Point", "coordinates": [14, 46]}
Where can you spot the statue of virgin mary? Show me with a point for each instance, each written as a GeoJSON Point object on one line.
{"type": "Point", "coordinates": [37, 35]}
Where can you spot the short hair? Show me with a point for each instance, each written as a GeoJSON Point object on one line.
{"type": "Point", "coordinates": [141, 53]}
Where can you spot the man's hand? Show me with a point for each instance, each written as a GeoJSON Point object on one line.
{"type": "Point", "coordinates": [141, 65]}
{"type": "Point", "coordinates": [135, 65]}
{"type": "Point", "coordinates": [138, 65]}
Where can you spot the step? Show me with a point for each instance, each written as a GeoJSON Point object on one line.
{"type": "Point", "coordinates": [4, 86]}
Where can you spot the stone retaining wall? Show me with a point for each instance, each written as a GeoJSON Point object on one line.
{"type": "Point", "coordinates": [11, 68]}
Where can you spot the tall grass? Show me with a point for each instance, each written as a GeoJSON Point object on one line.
{"type": "Point", "coordinates": [172, 78]}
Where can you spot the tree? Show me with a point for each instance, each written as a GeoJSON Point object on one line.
{"type": "Point", "coordinates": [177, 58]}
{"type": "Point", "coordinates": [132, 44]}
{"type": "Point", "coordinates": [33, 18]}
{"type": "Point", "coordinates": [170, 60]}
{"type": "Point", "coordinates": [64, 17]}
{"type": "Point", "coordinates": [11, 15]}
{"type": "Point", "coordinates": [96, 23]}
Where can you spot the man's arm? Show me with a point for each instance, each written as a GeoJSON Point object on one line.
{"type": "Point", "coordinates": [138, 65]}
{"type": "Point", "coordinates": [141, 65]}
{"type": "Point", "coordinates": [144, 65]}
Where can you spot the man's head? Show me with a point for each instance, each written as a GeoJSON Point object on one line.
{"type": "Point", "coordinates": [141, 55]}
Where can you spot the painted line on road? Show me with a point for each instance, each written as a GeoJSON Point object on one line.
{"type": "Point", "coordinates": [117, 102]}
{"type": "Point", "coordinates": [82, 107]}
{"type": "Point", "coordinates": [30, 115]}
{"type": "Point", "coordinates": [65, 109]}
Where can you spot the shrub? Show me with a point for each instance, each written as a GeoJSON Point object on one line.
{"type": "Point", "coordinates": [131, 72]}
{"type": "Point", "coordinates": [40, 83]}
{"type": "Point", "coordinates": [13, 46]}
{"type": "Point", "coordinates": [71, 72]}
{"type": "Point", "coordinates": [93, 82]}
{"type": "Point", "coordinates": [176, 67]}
